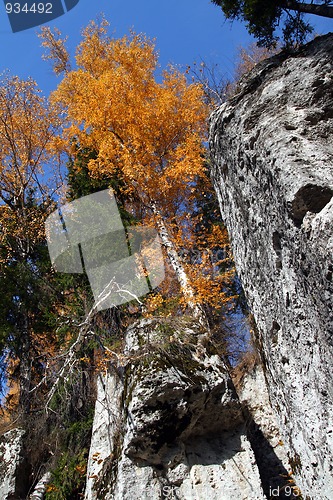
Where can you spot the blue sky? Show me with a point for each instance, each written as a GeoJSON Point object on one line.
{"type": "Point", "coordinates": [185, 31]}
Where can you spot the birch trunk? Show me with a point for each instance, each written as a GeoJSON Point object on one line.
{"type": "Point", "coordinates": [40, 489]}
{"type": "Point", "coordinates": [178, 267]}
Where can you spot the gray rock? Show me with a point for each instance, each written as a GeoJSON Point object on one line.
{"type": "Point", "coordinates": [272, 167]}
{"type": "Point", "coordinates": [264, 433]}
{"type": "Point", "coordinates": [11, 459]}
{"type": "Point", "coordinates": [168, 423]}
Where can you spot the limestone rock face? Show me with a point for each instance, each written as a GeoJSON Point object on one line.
{"type": "Point", "coordinates": [272, 166]}
{"type": "Point", "coordinates": [264, 433]}
{"type": "Point", "coordinates": [168, 424]}
{"type": "Point", "coordinates": [11, 459]}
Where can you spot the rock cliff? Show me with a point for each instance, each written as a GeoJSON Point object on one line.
{"type": "Point", "coordinates": [272, 167]}
{"type": "Point", "coordinates": [169, 421]}
{"type": "Point", "coordinates": [169, 424]}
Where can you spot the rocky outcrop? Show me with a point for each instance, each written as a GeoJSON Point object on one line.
{"type": "Point", "coordinates": [168, 423]}
{"type": "Point", "coordinates": [272, 166]}
{"type": "Point", "coordinates": [11, 488]}
{"type": "Point", "coordinates": [264, 433]}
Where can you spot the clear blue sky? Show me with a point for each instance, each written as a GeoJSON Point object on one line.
{"type": "Point", "coordinates": [185, 31]}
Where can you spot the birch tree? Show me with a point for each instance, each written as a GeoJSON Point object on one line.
{"type": "Point", "coordinates": [152, 132]}
{"type": "Point", "coordinates": [27, 127]}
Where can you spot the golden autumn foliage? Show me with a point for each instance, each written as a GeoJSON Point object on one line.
{"type": "Point", "coordinates": [249, 56]}
{"type": "Point", "coordinates": [150, 132]}
{"type": "Point", "coordinates": [57, 50]}
{"type": "Point", "coordinates": [27, 127]}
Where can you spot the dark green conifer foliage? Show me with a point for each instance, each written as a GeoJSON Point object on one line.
{"type": "Point", "coordinates": [263, 18]}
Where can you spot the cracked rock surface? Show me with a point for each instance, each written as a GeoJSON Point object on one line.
{"type": "Point", "coordinates": [169, 424]}
{"type": "Point", "coordinates": [11, 460]}
{"type": "Point", "coordinates": [272, 167]}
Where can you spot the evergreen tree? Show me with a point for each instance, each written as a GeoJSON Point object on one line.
{"type": "Point", "coordinates": [263, 17]}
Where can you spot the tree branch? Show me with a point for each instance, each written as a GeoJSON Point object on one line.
{"type": "Point", "coordinates": [84, 330]}
{"type": "Point", "coordinates": [324, 9]}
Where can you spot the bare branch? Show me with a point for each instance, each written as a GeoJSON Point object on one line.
{"type": "Point", "coordinates": [84, 330]}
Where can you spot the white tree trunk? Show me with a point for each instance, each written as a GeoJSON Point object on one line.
{"type": "Point", "coordinates": [40, 490]}
{"type": "Point", "coordinates": [178, 267]}
{"type": "Point", "coordinates": [25, 365]}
